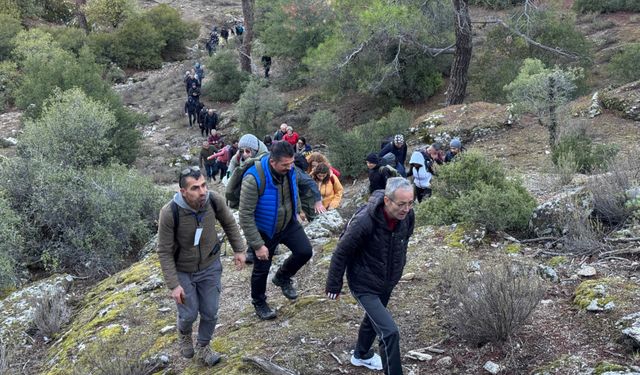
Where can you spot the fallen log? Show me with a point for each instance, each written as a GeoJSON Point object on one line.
{"type": "Point", "coordinates": [268, 366]}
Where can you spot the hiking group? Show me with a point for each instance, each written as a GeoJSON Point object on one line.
{"type": "Point", "coordinates": [277, 183]}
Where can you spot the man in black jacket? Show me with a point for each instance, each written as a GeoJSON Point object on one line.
{"type": "Point", "coordinates": [373, 250]}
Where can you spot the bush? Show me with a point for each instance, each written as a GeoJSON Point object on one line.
{"type": "Point", "coordinates": [347, 150]}
{"type": "Point", "coordinates": [323, 126]}
{"type": "Point", "coordinates": [623, 64]}
{"type": "Point", "coordinates": [11, 245]}
{"type": "Point", "coordinates": [476, 190]}
{"type": "Point", "coordinates": [166, 20]}
{"type": "Point", "coordinates": [69, 39]}
{"type": "Point", "coordinates": [492, 304]}
{"type": "Point", "coordinates": [256, 107]}
{"type": "Point", "coordinates": [109, 14]}
{"type": "Point", "coordinates": [227, 82]}
{"type": "Point", "coordinates": [606, 6]}
{"type": "Point", "coordinates": [9, 28]}
{"type": "Point", "coordinates": [579, 146]}
{"type": "Point", "coordinates": [51, 312]}
{"type": "Point", "coordinates": [10, 8]}
{"type": "Point", "coordinates": [58, 11]}
{"type": "Point", "coordinates": [126, 354]}
{"type": "Point", "coordinates": [496, 4]}
{"type": "Point", "coordinates": [92, 222]}
{"type": "Point", "coordinates": [8, 77]}
{"type": "Point", "coordinates": [609, 191]}
{"type": "Point", "coordinates": [76, 129]}
{"type": "Point", "coordinates": [138, 44]}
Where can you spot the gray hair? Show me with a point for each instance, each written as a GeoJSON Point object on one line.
{"type": "Point", "coordinates": [396, 183]}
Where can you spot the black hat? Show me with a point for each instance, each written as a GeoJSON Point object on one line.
{"type": "Point", "coordinates": [373, 158]}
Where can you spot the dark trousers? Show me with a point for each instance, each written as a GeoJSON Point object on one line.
{"type": "Point", "coordinates": [222, 167]}
{"type": "Point", "coordinates": [211, 169]}
{"type": "Point", "coordinates": [293, 237]}
{"type": "Point", "coordinates": [379, 322]}
{"type": "Point", "coordinates": [422, 193]}
{"type": "Point", "coordinates": [193, 118]}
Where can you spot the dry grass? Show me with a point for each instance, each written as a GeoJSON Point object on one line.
{"type": "Point", "coordinates": [609, 191]}
{"type": "Point", "coordinates": [490, 305]}
{"type": "Point", "coordinates": [121, 356]}
{"type": "Point", "coordinates": [582, 234]}
{"type": "Point", "coordinates": [51, 313]}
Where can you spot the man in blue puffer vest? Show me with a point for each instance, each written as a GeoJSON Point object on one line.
{"type": "Point", "coordinates": [271, 218]}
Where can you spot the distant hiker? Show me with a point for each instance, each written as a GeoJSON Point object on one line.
{"type": "Point", "coordinates": [290, 136]}
{"type": "Point", "coordinates": [378, 172]}
{"type": "Point", "coordinates": [239, 30]}
{"type": "Point", "coordinates": [191, 110]}
{"type": "Point", "coordinates": [212, 43]}
{"type": "Point", "coordinates": [202, 113]}
{"type": "Point", "coordinates": [455, 147]}
{"type": "Point", "coordinates": [302, 147]}
{"type": "Point", "coordinates": [310, 197]}
{"type": "Point", "coordinates": [421, 172]}
{"type": "Point", "coordinates": [249, 147]}
{"type": "Point", "coordinates": [223, 156]}
{"type": "Point", "coordinates": [210, 121]}
{"type": "Point", "coordinates": [267, 141]}
{"type": "Point", "coordinates": [269, 208]}
{"type": "Point", "coordinates": [189, 254]}
{"type": "Point", "coordinates": [266, 64]}
{"type": "Point", "coordinates": [209, 165]}
{"type": "Point", "coordinates": [373, 252]}
{"type": "Point", "coordinates": [436, 153]}
{"type": "Point", "coordinates": [399, 148]}
{"type": "Point", "coordinates": [214, 138]}
{"type": "Point", "coordinates": [224, 33]}
{"type": "Point", "coordinates": [316, 158]}
{"type": "Point", "coordinates": [194, 91]}
{"type": "Point", "coordinates": [279, 134]}
{"type": "Point", "coordinates": [199, 73]}
{"type": "Point", "coordinates": [189, 79]}
{"type": "Point", "coordinates": [329, 186]}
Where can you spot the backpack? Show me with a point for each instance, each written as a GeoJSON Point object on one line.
{"type": "Point", "coordinates": [234, 184]}
{"type": "Point", "coordinates": [389, 171]}
{"type": "Point", "coordinates": [239, 29]}
{"type": "Point", "coordinates": [176, 223]}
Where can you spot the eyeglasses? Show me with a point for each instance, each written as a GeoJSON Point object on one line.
{"type": "Point", "coordinates": [403, 205]}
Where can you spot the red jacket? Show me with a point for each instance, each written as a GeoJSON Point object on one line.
{"type": "Point", "coordinates": [292, 139]}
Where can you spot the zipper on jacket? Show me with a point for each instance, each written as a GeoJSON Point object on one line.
{"type": "Point", "coordinates": [390, 256]}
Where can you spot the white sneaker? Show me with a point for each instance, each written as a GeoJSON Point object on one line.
{"type": "Point", "coordinates": [373, 363]}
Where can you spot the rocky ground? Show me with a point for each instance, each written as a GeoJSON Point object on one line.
{"type": "Point", "coordinates": [128, 316]}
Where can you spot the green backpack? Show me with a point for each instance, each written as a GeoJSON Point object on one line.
{"type": "Point", "coordinates": [234, 184]}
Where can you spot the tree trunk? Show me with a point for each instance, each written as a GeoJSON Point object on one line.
{"type": "Point", "coordinates": [245, 50]}
{"type": "Point", "coordinates": [553, 121]}
{"type": "Point", "coordinates": [460, 69]}
{"type": "Point", "coordinates": [80, 17]}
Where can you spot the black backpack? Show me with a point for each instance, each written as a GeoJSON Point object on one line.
{"type": "Point", "coordinates": [176, 223]}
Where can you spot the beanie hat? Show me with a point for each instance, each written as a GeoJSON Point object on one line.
{"type": "Point", "coordinates": [398, 138]}
{"type": "Point", "coordinates": [373, 158]}
{"type": "Point", "coordinates": [455, 143]}
{"type": "Point", "coordinates": [248, 141]}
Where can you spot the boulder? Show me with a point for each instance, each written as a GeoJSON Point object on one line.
{"type": "Point", "coordinates": [325, 225]}
{"type": "Point", "coordinates": [625, 100]}
{"type": "Point", "coordinates": [630, 328]}
{"type": "Point", "coordinates": [549, 218]}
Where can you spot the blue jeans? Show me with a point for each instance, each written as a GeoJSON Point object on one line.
{"type": "Point", "coordinates": [202, 294]}
{"type": "Point", "coordinates": [211, 169]}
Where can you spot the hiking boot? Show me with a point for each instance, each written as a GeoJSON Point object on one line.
{"type": "Point", "coordinates": [207, 356]}
{"type": "Point", "coordinates": [186, 344]}
{"type": "Point", "coordinates": [263, 310]}
{"type": "Point", "coordinates": [286, 285]}
{"type": "Point", "coordinates": [374, 362]}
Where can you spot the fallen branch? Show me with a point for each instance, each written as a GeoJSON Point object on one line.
{"type": "Point", "coordinates": [539, 239]}
{"type": "Point", "coordinates": [622, 240]}
{"type": "Point", "coordinates": [336, 358]}
{"type": "Point", "coordinates": [268, 366]}
{"type": "Point", "coordinates": [626, 251]}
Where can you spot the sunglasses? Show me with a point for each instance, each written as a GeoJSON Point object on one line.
{"type": "Point", "coordinates": [191, 171]}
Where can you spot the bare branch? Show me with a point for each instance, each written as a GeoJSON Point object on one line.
{"type": "Point", "coordinates": [352, 55]}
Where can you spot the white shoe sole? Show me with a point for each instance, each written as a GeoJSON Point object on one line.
{"type": "Point", "coordinates": [360, 363]}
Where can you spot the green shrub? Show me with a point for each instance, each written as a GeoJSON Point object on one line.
{"type": "Point", "coordinates": [76, 130]}
{"type": "Point", "coordinates": [69, 39]}
{"type": "Point", "coordinates": [109, 14]}
{"type": "Point", "coordinates": [138, 44]}
{"type": "Point", "coordinates": [10, 8]}
{"type": "Point", "coordinates": [323, 126]}
{"type": "Point", "coordinates": [8, 78]}
{"type": "Point", "coordinates": [606, 6]}
{"type": "Point", "coordinates": [256, 107]}
{"type": "Point", "coordinates": [587, 156]}
{"type": "Point", "coordinates": [11, 245]}
{"type": "Point", "coordinates": [103, 46]}
{"type": "Point", "coordinates": [91, 222]}
{"type": "Point", "coordinates": [166, 20]}
{"type": "Point", "coordinates": [623, 66]}
{"type": "Point", "coordinates": [227, 82]}
{"type": "Point", "coordinates": [476, 191]}
{"type": "Point", "coordinates": [9, 28]}
{"type": "Point", "coordinates": [347, 150]}
{"type": "Point", "coordinates": [498, 62]}
{"type": "Point", "coordinates": [58, 11]}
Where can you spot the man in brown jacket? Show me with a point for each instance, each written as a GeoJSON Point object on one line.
{"type": "Point", "coordinates": [189, 252]}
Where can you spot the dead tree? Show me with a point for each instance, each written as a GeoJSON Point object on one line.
{"type": "Point", "coordinates": [245, 51]}
{"type": "Point", "coordinates": [80, 16]}
{"type": "Point", "coordinates": [459, 78]}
